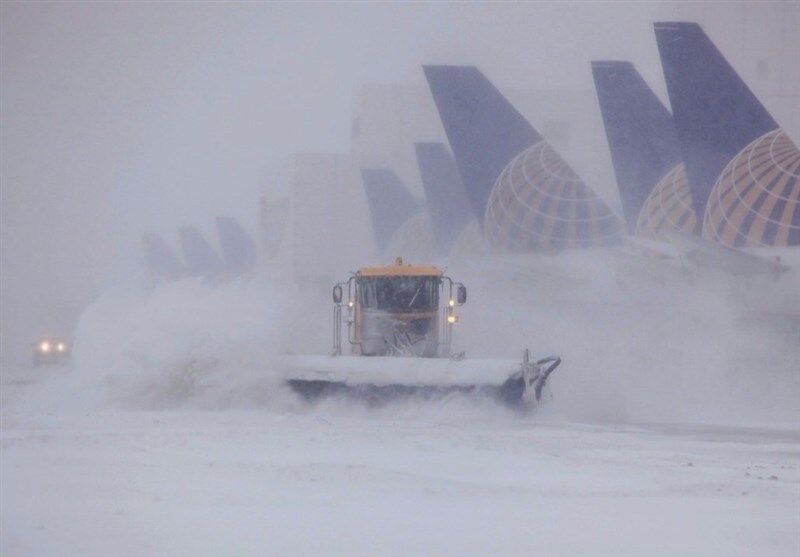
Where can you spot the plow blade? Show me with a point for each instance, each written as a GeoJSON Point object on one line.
{"type": "Point", "coordinates": [378, 380]}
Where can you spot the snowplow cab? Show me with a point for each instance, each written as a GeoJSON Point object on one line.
{"type": "Point", "coordinates": [397, 310]}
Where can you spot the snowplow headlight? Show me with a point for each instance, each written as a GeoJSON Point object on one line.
{"type": "Point", "coordinates": [61, 346]}
{"type": "Point", "coordinates": [44, 346]}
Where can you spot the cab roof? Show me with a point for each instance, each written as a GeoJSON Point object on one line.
{"type": "Point", "coordinates": [400, 269]}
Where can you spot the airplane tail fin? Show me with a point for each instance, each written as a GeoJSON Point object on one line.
{"type": "Point", "coordinates": [716, 115]}
{"type": "Point", "coordinates": [448, 206]}
{"type": "Point", "coordinates": [159, 260]}
{"type": "Point", "coordinates": [483, 128]}
{"type": "Point", "coordinates": [640, 132]}
{"type": "Point", "coordinates": [238, 247]}
{"type": "Point", "coordinates": [201, 259]}
{"type": "Point", "coordinates": [390, 203]}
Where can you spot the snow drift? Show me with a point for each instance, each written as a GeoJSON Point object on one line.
{"type": "Point", "coordinates": [634, 349]}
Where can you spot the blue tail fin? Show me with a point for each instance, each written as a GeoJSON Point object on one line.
{"type": "Point", "coordinates": [159, 260]}
{"type": "Point", "coordinates": [640, 132]}
{"type": "Point", "coordinates": [484, 130]}
{"type": "Point", "coordinates": [201, 259]}
{"type": "Point", "coordinates": [238, 247]}
{"type": "Point", "coordinates": [448, 206]}
{"type": "Point", "coordinates": [716, 115]}
{"type": "Point", "coordinates": [390, 203]}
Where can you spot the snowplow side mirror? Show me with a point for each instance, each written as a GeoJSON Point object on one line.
{"type": "Point", "coordinates": [461, 294]}
{"type": "Point", "coordinates": [337, 294]}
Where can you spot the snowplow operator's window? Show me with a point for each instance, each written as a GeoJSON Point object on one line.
{"type": "Point", "coordinates": [400, 294]}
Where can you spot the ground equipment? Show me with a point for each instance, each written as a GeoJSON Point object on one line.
{"type": "Point", "coordinates": [400, 321]}
{"type": "Point", "coordinates": [50, 350]}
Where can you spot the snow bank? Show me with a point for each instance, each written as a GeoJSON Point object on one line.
{"type": "Point", "coordinates": [639, 345]}
{"type": "Point", "coordinates": [641, 340]}
{"type": "Point", "coordinates": [182, 343]}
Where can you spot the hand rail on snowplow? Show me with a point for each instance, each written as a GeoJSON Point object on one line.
{"type": "Point", "coordinates": [337, 317]}
{"type": "Point", "coordinates": [337, 330]}
{"type": "Point", "coordinates": [448, 311]}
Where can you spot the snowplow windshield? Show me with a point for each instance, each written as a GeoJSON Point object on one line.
{"type": "Point", "coordinates": [400, 294]}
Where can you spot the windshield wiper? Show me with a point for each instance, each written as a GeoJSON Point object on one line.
{"type": "Point", "coordinates": [419, 289]}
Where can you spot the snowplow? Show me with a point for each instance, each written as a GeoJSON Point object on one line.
{"type": "Point", "coordinates": [399, 323]}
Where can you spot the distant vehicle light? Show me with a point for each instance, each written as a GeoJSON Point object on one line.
{"type": "Point", "coordinates": [49, 350]}
{"type": "Point", "coordinates": [452, 302]}
{"type": "Point", "coordinates": [452, 319]}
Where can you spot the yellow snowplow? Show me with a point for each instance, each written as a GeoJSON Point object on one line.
{"type": "Point", "coordinates": [399, 323]}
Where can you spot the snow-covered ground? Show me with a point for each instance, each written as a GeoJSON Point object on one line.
{"type": "Point", "coordinates": [673, 428]}
{"type": "Point", "coordinates": [451, 479]}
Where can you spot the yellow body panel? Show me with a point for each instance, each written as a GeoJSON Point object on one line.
{"type": "Point", "coordinates": [400, 270]}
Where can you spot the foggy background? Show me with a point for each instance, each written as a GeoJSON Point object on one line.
{"type": "Point", "coordinates": [672, 426]}
{"type": "Point", "coordinates": [124, 118]}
